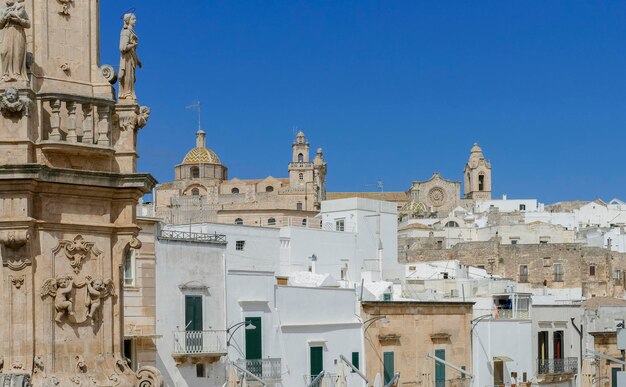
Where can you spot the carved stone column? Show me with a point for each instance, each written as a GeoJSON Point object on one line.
{"type": "Point", "coordinates": [104, 125]}
{"type": "Point", "coordinates": [87, 123]}
{"type": "Point", "coordinates": [55, 120]}
{"type": "Point", "coordinates": [71, 121]}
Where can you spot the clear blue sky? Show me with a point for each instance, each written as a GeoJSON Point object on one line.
{"type": "Point", "coordinates": [392, 90]}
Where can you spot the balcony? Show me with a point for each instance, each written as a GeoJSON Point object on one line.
{"type": "Point", "coordinates": [185, 236]}
{"type": "Point", "coordinates": [505, 314]}
{"type": "Point", "coordinates": [330, 380]}
{"type": "Point", "coordinates": [269, 370]}
{"type": "Point", "coordinates": [199, 344]}
{"type": "Point", "coordinates": [568, 365]}
{"type": "Point", "coordinates": [523, 278]}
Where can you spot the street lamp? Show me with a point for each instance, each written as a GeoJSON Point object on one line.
{"type": "Point", "coordinates": [233, 328]}
{"type": "Point", "coordinates": [373, 320]}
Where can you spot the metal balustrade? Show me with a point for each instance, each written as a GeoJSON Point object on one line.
{"type": "Point", "coordinates": [557, 366]}
{"type": "Point", "coordinates": [199, 342]}
{"type": "Point", "coordinates": [187, 236]}
{"type": "Point", "coordinates": [268, 369]}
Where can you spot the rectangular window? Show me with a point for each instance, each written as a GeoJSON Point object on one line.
{"type": "Point", "coordinates": [481, 182]}
{"type": "Point", "coordinates": [129, 353]}
{"type": "Point", "coordinates": [299, 206]}
{"type": "Point", "coordinates": [592, 270]}
{"type": "Point", "coordinates": [513, 241]}
{"type": "Point", "coordinates": [129, 268]}
{"type": "Point", "coordinates": [340, 224]}
{"type": "Point", "coordinates": [523, 273]}
{"type": "Point", "coordinates": [193, 323]}
{"type": "Point", "coordinates": [239, 245]}
{"type": "Point", "coordinates": [200, 371]}
{"type": "Point", "coordinates": [388, 366]}
{"type": "Point", "coordinates": [547, 262]}
{"type": "Point", "coordinates": [387, 297]}
{"type": "Point", "coordinates": [317, 361]}
{"type": "Point", "coordinates": [412, 268]}
{"type": "Point", "coordinates": [558, 272]}
{"type": "Point", "coordinates": [618, 277]}
{"type": "Point", "coordinates": [355, 360]}
{"type": "Point", "coordinates": [254, 338]}
{"type": "Point", "coordinates": [440, 368]}
{"type": "Point", "coordinates": [522, 207]}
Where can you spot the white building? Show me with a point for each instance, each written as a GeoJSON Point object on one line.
{"type": "Point", "coordinates": [508, 205]}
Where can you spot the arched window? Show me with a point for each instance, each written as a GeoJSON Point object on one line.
{"type": "Point", "coordinates": [238, 221]}
{"type": "Point", "coordinates": [234, 190]}
{"type": "Point", "coordinates": [195, 172]}
{"type": "Point", "coordinates": [301, 176]}
{"type": "Point", "coordinates": [195, 191]}
{"type": "Point", "coordinates": [300, 157]}
{"type": "Point", "coordinates": [452, 223]}
{"type": "Point", "coordinates": [269, 188]}
{"type": "Point", "coordinates": [271, 221]}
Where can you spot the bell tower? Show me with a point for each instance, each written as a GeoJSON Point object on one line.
{"type": "Point", "coordinates": [69, 192]}
{"type": "Point", "coordinates": [477, 176]}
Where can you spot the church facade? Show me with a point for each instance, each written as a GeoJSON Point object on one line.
{"type": "Point", "coordinates": [202, 192]}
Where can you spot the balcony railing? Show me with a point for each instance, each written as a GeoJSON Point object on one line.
{"type": "Point", "coordinates": [267, 369]}
{"type": "Point", "coordinates": [567, 365]}
{"type": "Point", "coordinates": [192, 236]}
{"type": "Point", "coordinates": [504, 314]}
{"type": "Point", "coordinates": [200, 343]}
{"type": "Point", "coordinates": [523, 278]}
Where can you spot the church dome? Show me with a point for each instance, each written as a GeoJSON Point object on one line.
{"type": "Point", "coordinates": [201, 154]}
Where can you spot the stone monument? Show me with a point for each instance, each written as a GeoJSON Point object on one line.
{"type": "Point", "coordinates": [68, 191]}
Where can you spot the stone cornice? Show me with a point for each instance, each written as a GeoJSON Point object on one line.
{"type": "Point", "coordinates": [141, 181]}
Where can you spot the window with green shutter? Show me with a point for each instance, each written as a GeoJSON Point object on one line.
{"type": "Point", "coordinates": [355, 360]}
{"type": "Point", "coordinates": [254, 338]}
{"type": "Point", "coordinates": [388, 366]}
{"type": "Point", "coordinates": [440, 368]}
{"type": "Point", "coordinates": [317, 361]}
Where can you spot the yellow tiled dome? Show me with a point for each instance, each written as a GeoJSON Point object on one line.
{"type": "Point", "coordinates": [201, 155]}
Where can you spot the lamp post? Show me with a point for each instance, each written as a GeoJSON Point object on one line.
{"type": "Point", "coordinates": [233, 328]}
{"type": "Point", "coordinates": [372, 321]}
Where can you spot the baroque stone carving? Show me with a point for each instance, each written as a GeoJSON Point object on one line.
{"type": "Point", "coordinates": [135, 243]}
{"type": "Point", "coordinates": [133, 119]}
{"type": "Point", "coordinates": [65, 7]}
{"type": "Point", "coordinates": [37, 364]}
{"type": "Point", "coordinates": [77, 250]}
{"type": "Point", "coordinates": [129, 60]}
{"type": "Point", "coordinates": [17, 281]}
{"type": "Point", "coordinates": [15, 252]}
{"type": "Point", "coordinates": [13, 21]}
{"type": "Point", "coordinates": [12, 105]}
{"type": "Point", "coordinates": [149, 377]}
{"type": "Point", "coordinates": [108, 72]}
{"type": "Point", "coordinates": [97, 290]}
{"type": "Point", "coordinates": [437, 196]}
{"type": "Point", "coordinates": [80, 364]}
{"type": "Point", "coordinates": [15, 380]}
{"type": "Point", "coordinates": [60, 289]}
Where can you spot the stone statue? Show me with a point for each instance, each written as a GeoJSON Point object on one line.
{"type": "Point", "coordinates": [60, 288]}
{"type": "Point", "coordinates": [13, 21]}
{"type": "Point", "coordinates": [129, 60]}
{"type": "Point", "coordinates": [11, 104]}
{"type": "Point", "coordinates": [97, 289]}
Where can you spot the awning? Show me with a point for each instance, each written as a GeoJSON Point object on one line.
{"type": "Point", "coordinates": [502, 358]}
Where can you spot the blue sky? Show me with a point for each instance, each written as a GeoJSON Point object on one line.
{"type": "Point", "coordinates": [392, 90]}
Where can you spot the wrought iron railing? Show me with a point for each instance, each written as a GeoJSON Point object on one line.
{"type": "Point", "coordinates": [267, 369]}
{"type": "Point", "coordinates": [187, 236]}
{"type": "Point", "coordinates": [557, 366]}
{"type": "Point", "coordinates": [504, 314]}
{"type": "Point", "coordinates": [328, 379]}
{"type": "Point", "coordinates": [199, 342]}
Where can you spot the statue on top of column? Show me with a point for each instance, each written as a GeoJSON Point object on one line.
{"type": "Point", "coordinates": [13, 21]}
{"type": "Point", "coordinates": [129, 61]}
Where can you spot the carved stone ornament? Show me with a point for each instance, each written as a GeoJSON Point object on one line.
{"type": "Point", "coordinates": [15, 253]}
{"type": "Point", "coordinates": [149, 377]}
{"type": "Point", "coordinates": [77, 251]}
{"type": "Point", "coordinates": [133, 119]}
{"type": "Point", "coordinates": [37, 364]}
{"type": "Point", "coordinates": [135, 243]}
{"type": "Point", "coordinates": [17, 281]}
{"type": "Point", "coordinates": [15, 380]}
{"type": "Point", "coordinates": [108, 72]}
{"type": "Point", "coordinates": [13, 21]}
{"type": "Point", "coordinates": [12, 105]}
{"type": "Point", "coordinates": [67, 293]}
{"type": "Point", "coordinates": [80, 364]}
{"type": "Point", "coordinates": [65, 7]}
{"type": "Point", "coordinates": [437, 196]}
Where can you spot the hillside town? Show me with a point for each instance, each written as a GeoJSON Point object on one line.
{"type": "Point", "coordinates": [110, 278]}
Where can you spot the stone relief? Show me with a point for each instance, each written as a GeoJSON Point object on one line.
{"type": "Point", "coordinates": [149, 377]}
{"type": "Point", "coordinates": [12, 105]}
{"type": "Point", "coordinates": [37, 364]}
{"type": "Point", "coordinates": [17, 281]}
{"type": "Point", "coordinates": [132, 120]}
{"type": "Point", "coordinates": [65, 7]}
{"type": "Point", "coordinates": [135, 243]}
{"type": "Point", "coordinates": [15, 252]}
{"type": "Point", "coordinates": [129, 60]}
{"type": "Point", "coordinates": [97, 290]}
{"type": "Point", "coordinates": [77, 251]}
{"type": "Point", "coordinates": [60, 289]}
{"type": "Point", "coordinates": [437, 196]}
{"type": "Point", "coordinates": [66, 289]}
{"type": "Point", "coordinates": [13, 21]}
{"type": "Point", "coordinates": [108, 72]}
{"type": "Point", "coordinates": [80, 364]}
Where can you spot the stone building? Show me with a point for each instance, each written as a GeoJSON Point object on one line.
{"type": "Point", "coordinates": [201, 190]}
{"type": "Point", "coordinates": [399, 336]}
{"type": "Point", "coordinates": [597, 271]}
{"type": "Point", "coordinates": [69, 190]}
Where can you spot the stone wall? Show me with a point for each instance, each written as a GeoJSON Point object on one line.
{"type": "Point", "coordinates": [540, 259]}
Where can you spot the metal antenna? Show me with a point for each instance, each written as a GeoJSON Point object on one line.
{"type": "Point", "coordinates": [196, 105]}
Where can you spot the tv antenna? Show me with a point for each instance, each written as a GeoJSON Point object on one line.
{"type": "Point", "coordinates": [196, 105]}
{"type": "Point", "coordinates": [379, 185]}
